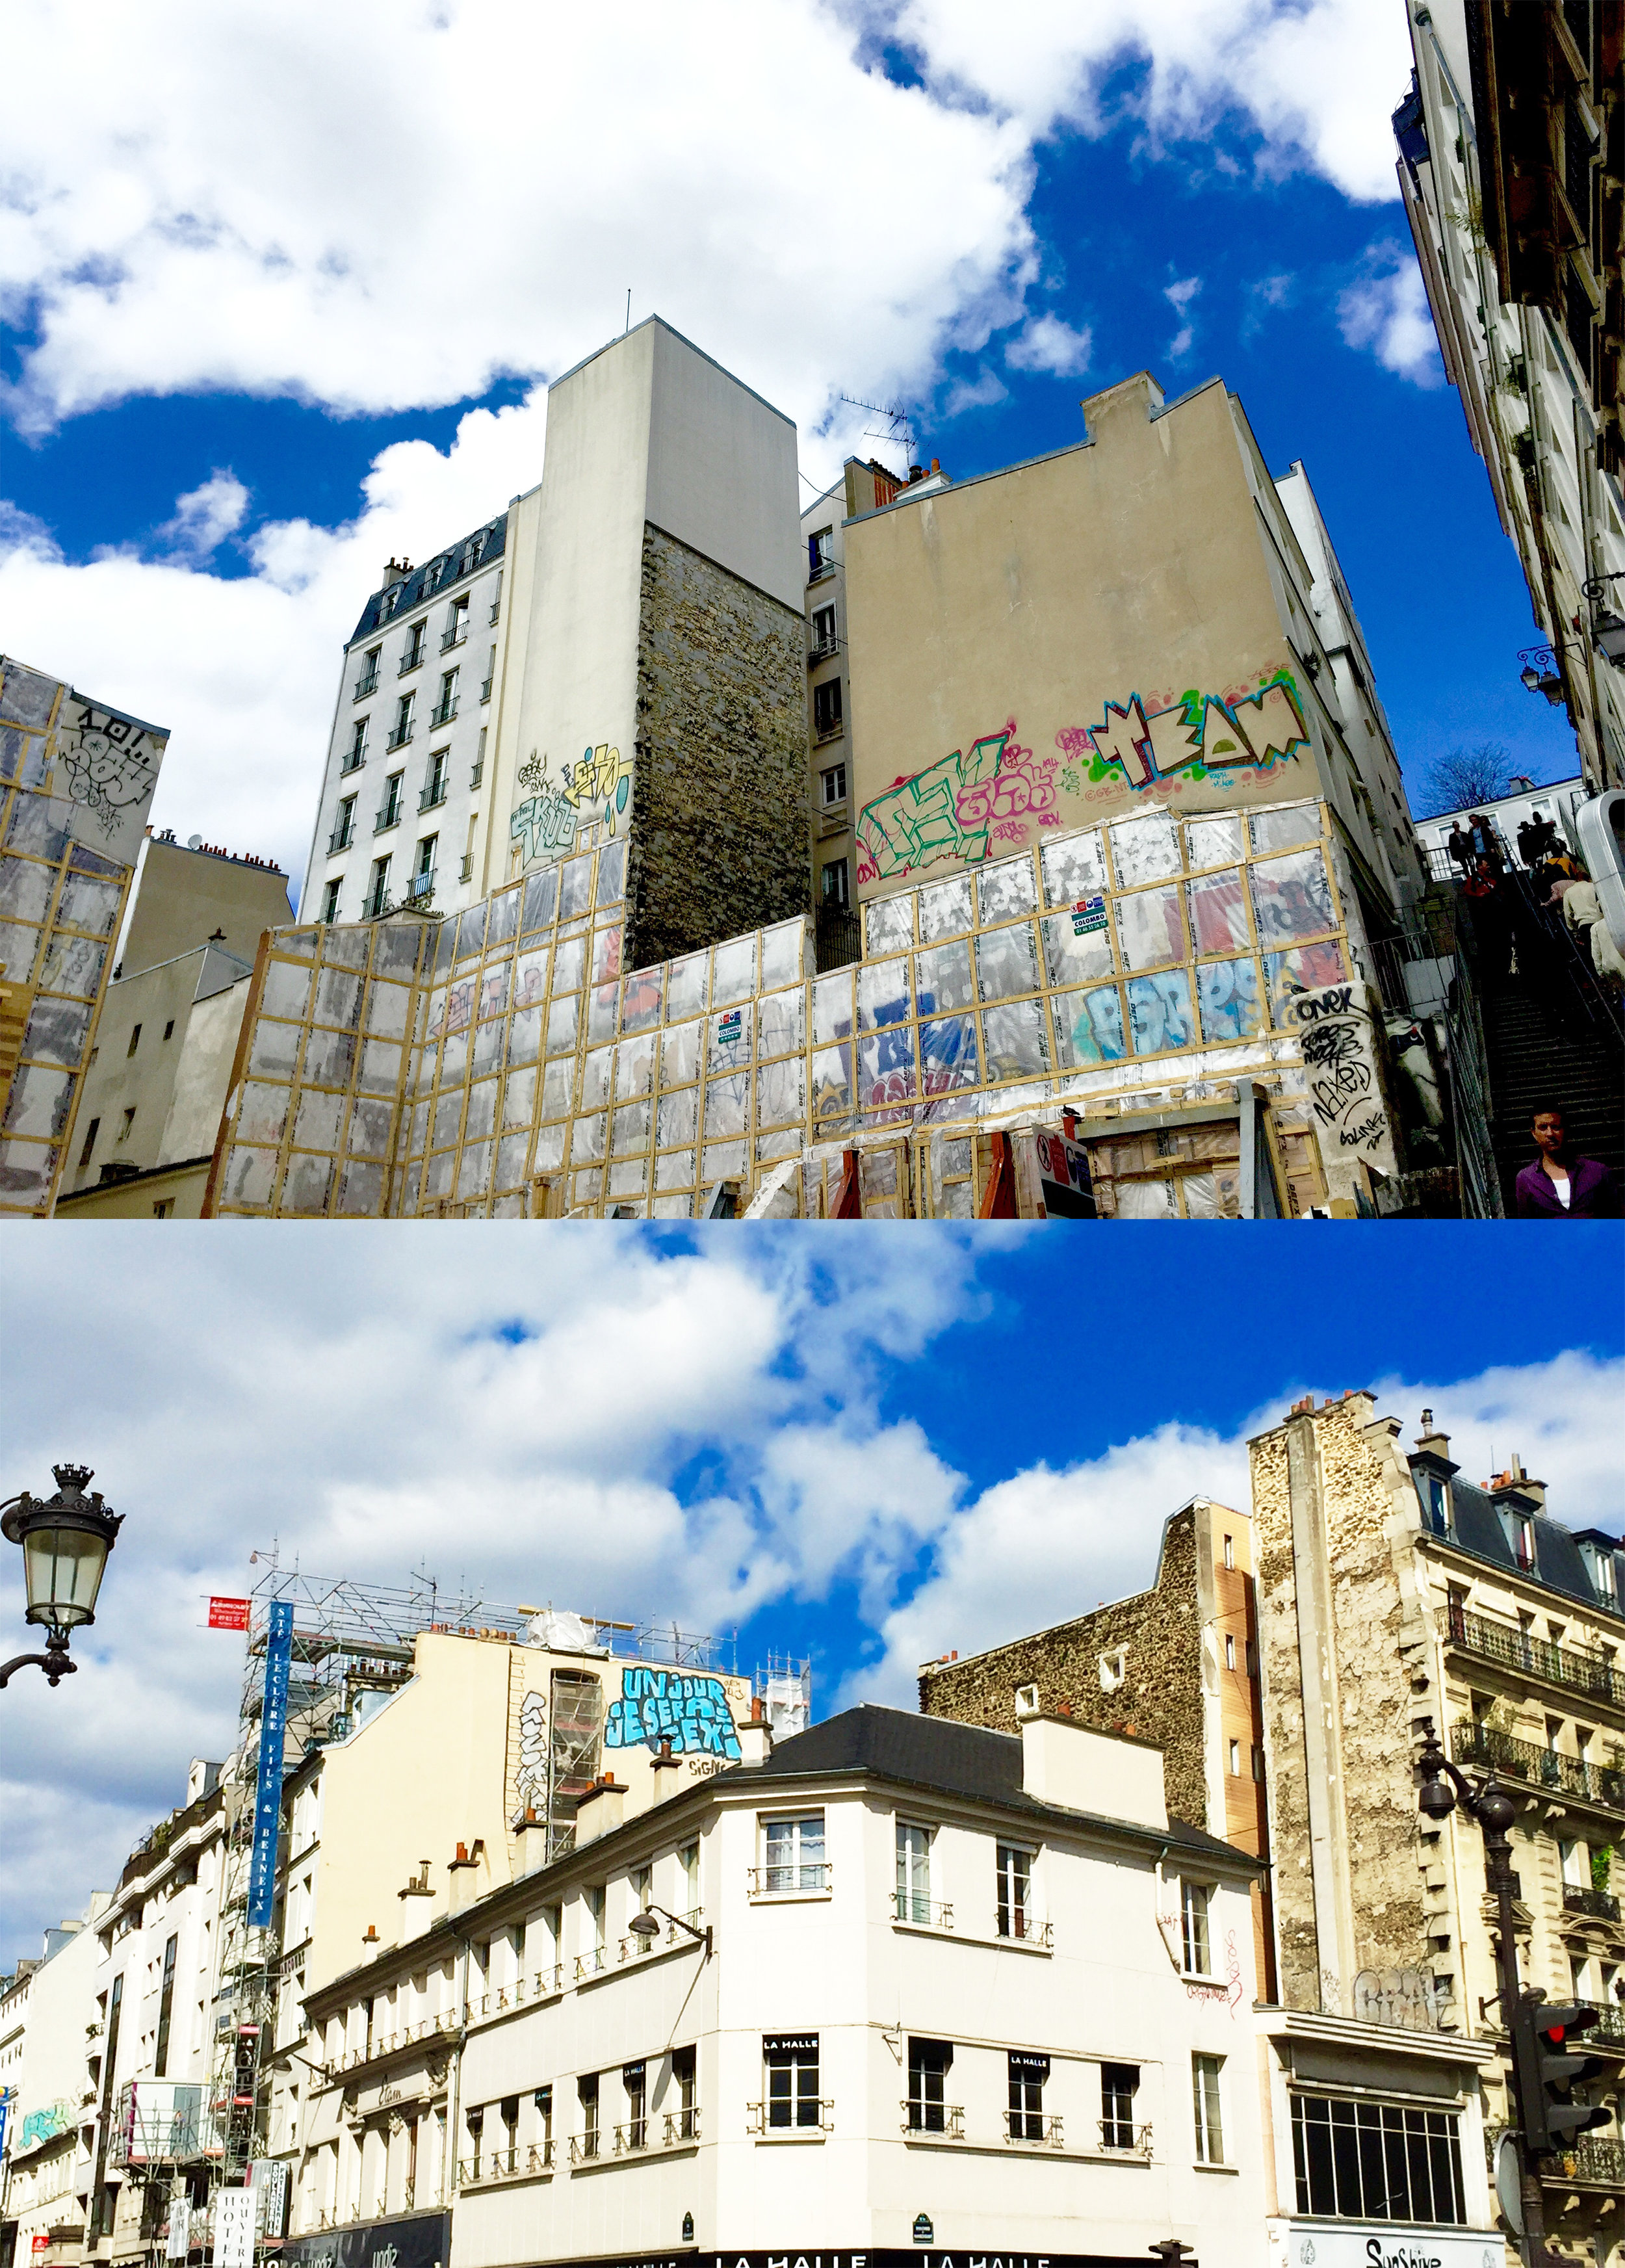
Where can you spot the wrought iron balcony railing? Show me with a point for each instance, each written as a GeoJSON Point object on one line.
{"type": "Point", "coordinates": [1118, 2135]}
{"type": "Point", "coordinates": [366, 683]}
{"type": "Point", "coordinates": [1023, 1928]}
{"type": "Point", "coordinates": [1575, 1669]}
{"type": "Point", "coordinates": [444, 712]}
{"type": "Point", "coordinates": [1603, 1784]}
{"type": "Point", "coordinates": [1600, 1903]}
{"type": "Point", "coordinates": [946, 2120]}
{"type": "Point", "coordinates": [920, 1912]}
{"type": "Point", "coordinates": [790, 2115]}
{"type": "Point", "coordinates": [791, 1880]}
{"type": "Point", "coordinates": [431, 797]}
{"type": "Point", "coordinates": [411, 660]}
{"type": "Point", "coordinates": [682, 2126]}
{"type": "Point", "coordinates": [1591, 2164]}
{"type": "Point", "coordinates": [1035, 2128]}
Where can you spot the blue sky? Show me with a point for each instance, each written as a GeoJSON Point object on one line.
{"type": "Point", "coordinates": [243, 365]}
{"type": "Point", "coordinates": [868, 1448]}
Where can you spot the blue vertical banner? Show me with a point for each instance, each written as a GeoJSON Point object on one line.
{"type": "Point", "coordinates": [268, 1796]}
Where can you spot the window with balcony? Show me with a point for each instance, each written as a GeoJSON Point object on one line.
{"type": "Point", "coordinates": [834, 782]}
{"type": "Point", "coordinates": [827, 708]}
{"type": "Point", "coordinates": [401, 732]}
{"type": "Point", "coordinates": [478, 773]}
{"type": "Point", "coordinates": [496, 612]}
{"type": "Point", "coordinates": [683, 2122]}
{"type": "Point", "coordinates": [1013, 1884]}
{"type": "Point", "coordinates": [356, 754]}
{"type": "Point", "coordinates": [413, 654]}
{"type": "Point", "coordinates": [930, 2062]}
{"type": "Point", "coordinates": [367, 681]}
{"type": "Point", "coordinates": [378, 890]}
{"type": "Point", "coordinates": [1028, 2075]}
{"type": "Point", "coordinates": [586, 2095]}
{"type": "Point", "coordinates": [634, 2078]}
{"type": "Point", "coordinates": [790, 2060]}
{"type": "Point", "coordinates": [434, 786]}
{"type": "Point", "coordinates": [793, 1855]}
{"type": "Point", "coordinates": [343, 826]}
{"type": "Point", "coordinates": [542, 2101]}
{"type": "Point", "coordinates": [423, 868]}
{"type": "Point", "coordinates": [823, 631]}
{"type": "Point", "coordinates": [389, 810]}
{"type": "Point", "coordinates": [1376, 2161]}
{"type": "Point", "coordinates": [1207, 2109]}
{"type": "Point", "coordinates": [445, 708]}
{"type": "Point", "coordinates": [821, 553]}
{"type": "Point", "coordinates": [456, 624]}
{"type": "Point", "coordinates": [914, 1873]}
{"type": "Point", "coordinates": [490, 678]}
{"type": "Point", "coordinates": [1119, 2083]}
{"type": "Point", "coordinates": [1194, 1898]}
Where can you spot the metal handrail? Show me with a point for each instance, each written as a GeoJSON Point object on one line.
{"type": "Point", "coordinates": [1023, 1929]}
{"type": "Point", "coordinates": [444, 713]}
{"type": "Point", "coordinates": [758, 2122]}
{"type": "Point", "coordinates": [401, 734]}
{"type": "Point", "coordinates": [922, 1913]}
{"type": "Point", "coordinates": [594, 1963]}
{"type": "Point", "coordinates": [409, 661]}
{"type": "Point", "coordinates": [1052, 2133]}
{"type": "Point", "coordinates": [945, 2118]}
{"type": "Point", "coordinates": [1139, 2142]}
{"type": "Point", "coordinates": [364, 685]}
{"type": "Point", "coordinates": [455, 636]}
{"type": "Point", "coordinates": [1483, 1744]}
{"type": "Point", "coordinates": [432, 796]}
{"type": "Point", "coordinates": [1591, 2160]}
{"type": "Point", "coordinates": [792, 1880]}
{"type": "Point", "coordinates": [682, 2126]}
{"type": "Point", "coordinates": [1574, 1667]}
{"type": "Point", "coordinates": [1601, 1903]}
{"type": "Point", "coordinates": [585, 2149]}
{"type": "Point", "coordinates": [631, 2137]}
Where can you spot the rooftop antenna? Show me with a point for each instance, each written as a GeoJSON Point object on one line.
{"type": "Point", "coordinates": [898, 429]}
{"type": "Point", "coordinates": [628, 310]}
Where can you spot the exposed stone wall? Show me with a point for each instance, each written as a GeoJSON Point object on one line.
{"type": "Point", "coordinates": [719, 839]}
{"type": "Point", "coordinates": [1160, 1698]}
{"type": "Point", "coordinates": [1374, 1638]}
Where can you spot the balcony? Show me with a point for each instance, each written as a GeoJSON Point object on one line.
{"type": "Point", "coordinates": [819, 569]}
{"type": "Point", "coordinates": [821, 649]}
{"type": "Point", "coordinates": [433, 795]}
{"type": "Point", "coordinates": [401, 734]}
{"type": "Point", "coordinates": [1602, 1906]}
{"type": "Point", "coordinates": [465, 869]}
{"type": "Point", "coordinates": [632, 2138]}
{"type": "Point", "coordinates": [496, 614]}
{"type": "Point", "coordinates": [806, 2115]}
{"type": "Point", "coordinates": [1024, 1929]}
{"type": "Point", "coordinates": [353, 762]}
{"type": "Point", "coordinates": [944, 2121]}
{"type": "Point", "coordinates": [1606, 2035]}
{"type": "Point", "coordinates": [1575, 1669]}
{"type": "Point", "coordinates": [478, 773]}
{"type": "Point", "coordinates": [1590, 2165]}
{"type": "Point", "coordinates": [1121, 2140]}
{"type": "Point", "coordinates": [585, 2149]}
{"type": "Point", "coordinates": [365, 684]}
{"type": "Point", "coordinates": [411, 660]}
{"type": "Point", "coordinates": [340, 838]}
{"type": "Point", "coordinates": [916, 1912]}
{"type": "Point", "coordinates": [1034, 2130]}
{"type": "Point", "coordinates": [444, 712]}
{"type": "Point", "coordinates": [421, 888]}
{"type": "Point", "coordinates": [457, 635]}
{"type": "Point", "coordinates": [790, 1881]}
{"type": "Point", "coordinates": [485, 690]}
{"type": "Point", "coordinates": [683, 2127]}
{"type": "Point", "coordinates": [594, 1962]}
{"type": "Point", "coordinates": [1603, 1784]}
{"type": "Point", "coordinates": [390, 816]}
{"type": "Point", "coordinates": [375, 904]}
{"type": "Point", "coordinates": [504, 2166]}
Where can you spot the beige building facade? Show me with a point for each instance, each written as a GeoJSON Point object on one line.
{"type": "Point", "coordinates": [1145, 621]}
{"type": "Point", "coordinates": [1393, 1594]}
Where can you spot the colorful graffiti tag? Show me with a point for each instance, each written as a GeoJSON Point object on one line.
{"type": "Point", "coordinates": [959, 808]}
{"type": "Point", "coordinates": [596, 791]}
{"type": "Point", "coordinates": [690, 1711]}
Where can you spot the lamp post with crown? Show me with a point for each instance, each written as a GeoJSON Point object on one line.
{"type": "Point", "coordinates": [65, 1540]}
{"type": "Point", "coordinates": [1443, 1787]}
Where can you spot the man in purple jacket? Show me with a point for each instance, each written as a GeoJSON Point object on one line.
{"type": "Point", "coordinates": [1556, 1185]}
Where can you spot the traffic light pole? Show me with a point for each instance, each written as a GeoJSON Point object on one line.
{"type": "Point", "coordinates": [1495, 1811]}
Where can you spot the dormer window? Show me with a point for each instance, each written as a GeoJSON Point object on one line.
{"type": "Point", "coordinates": [1523, 1541]}
{"type": "Point", "coordinates": [1434, 1494]}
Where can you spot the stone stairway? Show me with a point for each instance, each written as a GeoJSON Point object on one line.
{"type": "Point", "coordinates": [1552, 1045]}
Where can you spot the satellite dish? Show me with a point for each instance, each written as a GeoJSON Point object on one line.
{"type": "Point", "coordinates": [194, 841]}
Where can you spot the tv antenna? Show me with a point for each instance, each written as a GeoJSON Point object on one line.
{"type": "Point", "coordinates": [898, 428]}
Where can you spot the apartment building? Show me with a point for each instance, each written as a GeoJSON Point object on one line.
{"type": "Point", "coordinates": [1144, 622]}
{"type": "Point", "coordinates": [1394, 1593]}
{"type": "Point", "coordinates": [1512, 160]}
{"type": "Point", "coordinates": [156, 1083]}
{"type": "Point", "coordinates": [44, 2021]}
{"type": "Point", "coordinates": [889, 1984]}
{"type": "Point", "coordinates": [76, 782]}
{"type": "Point", "coordinates": [616, 659]}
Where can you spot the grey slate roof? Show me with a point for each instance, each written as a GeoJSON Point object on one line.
{"type": "Point", "coordinates": [436, 577]}
{"type": "Point", "coordinates": [1476, 1526]}
{"type": "Point", "coordinates": [950, 1758]}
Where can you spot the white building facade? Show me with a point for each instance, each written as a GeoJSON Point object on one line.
{"type": "Point", "coordinates": [909, 1983]}
{"type": "Point", "coordinates": [46, 2021]}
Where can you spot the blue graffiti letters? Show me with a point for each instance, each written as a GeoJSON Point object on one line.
{"type": "Point", "coordinates": [669, 1704]}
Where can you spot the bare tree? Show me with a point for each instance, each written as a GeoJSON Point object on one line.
{"type": "Point", "coordinates": [1467, 777]}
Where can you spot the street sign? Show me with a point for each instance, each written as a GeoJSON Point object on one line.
{"type": "Point", "coordinates": [922, 2233]}
{"type": "Point", "coordinates": [234, 2216]}
{"type": "Point", "coordinates": [1510, 2184]}
{"type": "Point", "coordinates": [228, 1614]}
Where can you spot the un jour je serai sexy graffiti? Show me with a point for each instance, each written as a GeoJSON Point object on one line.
{"type": "Point", "coordinates": [964, 805]}
{"type": "Point", "coordinates": [671, 1704]}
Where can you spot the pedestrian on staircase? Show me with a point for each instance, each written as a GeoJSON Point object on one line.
{"type": "Point", "coordinates": [1556, 1185]}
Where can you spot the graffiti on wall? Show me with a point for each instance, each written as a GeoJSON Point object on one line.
{"type": "Point", "coordinates": [690, 1711]}
{"type": "Point", "coordinates": [109, 766]}
{"type": "Point", "coordinates": [532, 1778]}
{"type": "Point", "coordinates": [1345, 1090]}
{"type": "Point", "coordinates": [598, 790]}
{"type": "Point", "coordinates": [963, 806]}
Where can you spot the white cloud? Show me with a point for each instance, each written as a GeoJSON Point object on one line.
{"type": "Point", "coordinates": [205, 516]}
{"type": "Point", "coordinates": [1047, 343]}
{"type": "Point", "coordinates": [979, 393]}
{"type": "Point", "coordinates": [1385, 312]}
{"type": "Point", "coordinates": [1179, 296]}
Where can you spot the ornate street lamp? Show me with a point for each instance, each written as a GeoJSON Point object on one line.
{"type": "Point", "coordinates": [1540, 673]}
{"type": "Point", "coordinates": [65, 1541]}
{"type": "Point", "coordinates": [645, 1927]}
{"type": "Point", "coordinates": [1607, 629]}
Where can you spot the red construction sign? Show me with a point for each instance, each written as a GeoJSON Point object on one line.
{"type": "Point", "coordinates": [228, 1614]}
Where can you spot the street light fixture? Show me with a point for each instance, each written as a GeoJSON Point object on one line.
{"type": "Point", "coordinates": [1540, 673]}
{"type": "Point", "coordinates": [65, 1540]}
{"type": "Point", "coordinates": [1443, 1787]}
{"type": "Point", "coordinates": [1607, 628]}
{"type": "Point", "coordinates": [646, 1927]}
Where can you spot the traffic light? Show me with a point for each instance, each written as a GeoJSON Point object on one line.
{"type": "Point", "coordinates": [1545, 2073]}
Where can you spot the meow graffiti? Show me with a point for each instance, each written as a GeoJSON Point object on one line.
{"type": "Point", "coordinates": [597, 791]}
{"type": "Point", "coordinates": [961, 805]}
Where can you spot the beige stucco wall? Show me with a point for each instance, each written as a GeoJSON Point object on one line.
{"type": "Point", "coordinates": [183, 896]}
{"type": "Point", "coordinates": [1154, 560]}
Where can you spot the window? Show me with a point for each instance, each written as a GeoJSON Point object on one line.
{"type": "Point", "coordinates": [683, 2080]}
{"type": "Point", "coordinates": [330, 899]}
{"type": "Point", "coordinates": [834, 784]}
{"type": "Point", "coordinates": [586, 2094]}
{"type": "Point", "coordinates": [543, 2100]}
{"type": "Point", "coordinates": [478, 773]}
{"type": "Point", "coordinates": [130, 1120]}
{"type": "Point", "coordinates": [456, 623]}
{"type": "Point", "coordinates": [1113, 1669]}
{"type": "Point", "coordinates": [367, 681]}
{"type": "Point", "coordinates": [389, 816]}
{"type": "Point", "coordinates": [1257, 1764]}
{"type": "Point", "coordinates": [1119, 2083]}
{"type": "Point", "coordinates": [643, 1891]}
{"type": "Point", "coordinates": [165, 2007]}
{"type": "Point", "coordinates": [794, 1851]}
{"type": "Point", "coordinates": [1230, 1550]}
{"type": "Point", "coordinates": [1205, 2089]}
{"type": "Point", "coordinates": [378, 890]}
{"type": "Point", "coordinates": [1230, 1651]}
{"type": "Point", "coordinates": [823, 629]}
{"type": "Point", "coordinates": [490, 678]}
{"type": "Point", "coordinates": [791, 2062]}
{"type": "Point", "coordinates": [1194, 1898]}
{"type": "Point", "coordinates": [688, 1862]}
{"type": "Point", "coordinates": [1376, 2161]}
{"type": "Point", "coordinates": [833, 883]}
{"type": "Point", "coordinates": [424, 874]}
{"type": "Point", "coordinates": [930, 2062]}
{"type": "Point", "coordinates": [914, 1873]}
{"type": "Point", "coordinates": [90, 1143]}
{"type": "Point", "coordinates": [595, 1897]}
{"type": "Point", "coordinates": [402, 731]}
{"type": "Point", "coordinates": [413, 653]}
{"type": "Point", "coordinates": [445, 708]}
{"type": "Point", "coordinates": [821, 553]}
{"type": "Point", "coordinates": [343, 826]}
{"type": "Point", "coordinates": [135, 1040]}
{"type": "Point", "coordinates": [827, 708]}
{"type": "Point", "coordinates": [1433, 1496]}
{"type": "Point", "coordinates": [496, 599]}
{"type": "Point", "coordinates": [1235, 1760]}
{"type": "Point", "coordinates": [508, 2109]}
{"type": "Point", "coordinates": [1014, 1877]}
{"type": "Point", "coordinates": [356, 754]}
{"type": "Point", "coordinates": [1027, 2075]}
{"type": "Point", "coordinates": [169, 1028]}
{"type": "Point", "coordinates": [634, 2078]}
{"type": "Point", "coordinates": [434, 786]}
